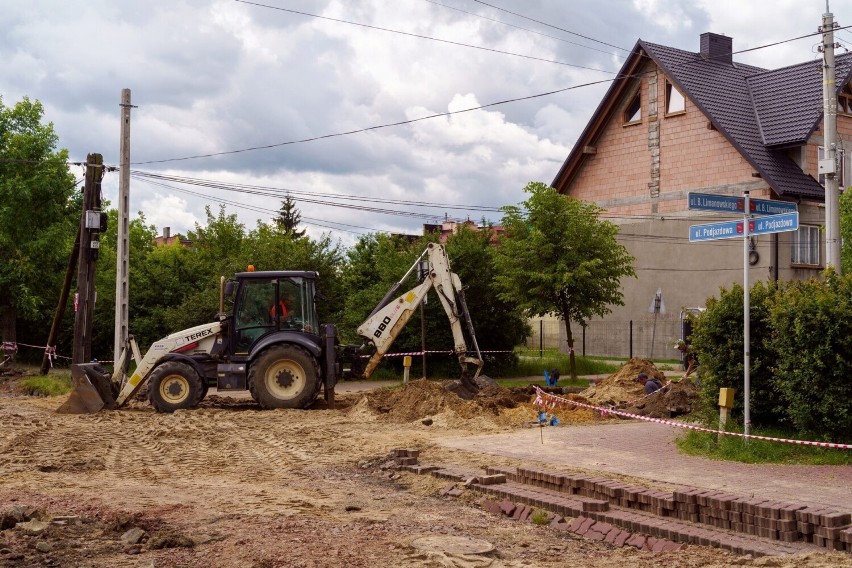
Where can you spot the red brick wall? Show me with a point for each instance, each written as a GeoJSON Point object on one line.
{"type": "Point", "coordinates": [692, 157]}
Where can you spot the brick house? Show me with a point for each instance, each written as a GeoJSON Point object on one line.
{"type": "Point", "coordinates": [675, 122]}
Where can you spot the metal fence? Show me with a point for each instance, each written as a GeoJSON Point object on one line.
{"type": "Point", "coordinates": [619, 339]}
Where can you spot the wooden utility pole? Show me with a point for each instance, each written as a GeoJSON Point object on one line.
{"type": "Point", "coordinates": [122, 259]}
{"type": "Point", "coordinates": [63, 303]}
{"type": "Point", "coordinates": [89, 246]}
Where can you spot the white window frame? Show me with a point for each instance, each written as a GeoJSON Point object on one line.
{"type": "Point", "coordinates": [805, 246]}
{"type": "Point", "coordinates": [670, 88]}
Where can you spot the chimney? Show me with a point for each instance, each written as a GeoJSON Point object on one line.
{"type": "Point", "coordinates": [167, 232]}
{"type": "Point", "coordinates": [716, 47]}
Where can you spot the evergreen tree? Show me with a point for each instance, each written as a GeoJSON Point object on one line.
{"type": "Point", "coordinates": [289, 218]}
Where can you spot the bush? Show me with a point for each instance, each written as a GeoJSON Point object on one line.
{"type": "Point", "coordinates": [717, 341]}
{"type": "Point", "coordinates": [801, 335]}
{"type": "Point", "coordinates": [812, 324]}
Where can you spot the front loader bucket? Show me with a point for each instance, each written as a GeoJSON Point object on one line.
{"type": "Point", "coordinates": [92, 390]}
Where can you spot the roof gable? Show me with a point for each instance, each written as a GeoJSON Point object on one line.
{"type": "Point", "coordinates": [758, 111]}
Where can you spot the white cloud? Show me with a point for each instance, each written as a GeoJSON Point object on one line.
{"type": "Point", "coordinates": [214, 76]}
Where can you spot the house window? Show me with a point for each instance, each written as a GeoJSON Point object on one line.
{"type": "Point", "coordinates": [844, 100]}
{"type": "Point", "coordinates": [633, 113]}
{"type": "Point", "coordinates": [674, 100]}
{"type": "Point", "coordinates": [841, 172]}
{"type": "Point", "coordinates": [805, 246]}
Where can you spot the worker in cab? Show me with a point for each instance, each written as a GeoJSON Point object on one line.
{"type": "Point", "coordinates": [279, 309]}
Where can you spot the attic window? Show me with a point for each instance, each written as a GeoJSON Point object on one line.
{"type": "Point", "coordinates": [844, 100]}
{"type": "Point", "coordinates": [675, 102]}
{"type": "Point", "coordinates": [633, 112]}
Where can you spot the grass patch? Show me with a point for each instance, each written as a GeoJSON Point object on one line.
{"type": "Point", "coordinates": [50, 385]}
{"type": "Point", "coordinates": [523, 382]}
{"type": "Point", "coordinates": [530, 365]}
{"type": "Point", "coordinates": [735, 448]}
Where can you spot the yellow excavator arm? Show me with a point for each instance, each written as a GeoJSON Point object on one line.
{"type": "Point", "coordinates": [384, 324]}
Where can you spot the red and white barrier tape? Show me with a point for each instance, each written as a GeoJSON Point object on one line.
{"type": "Point", "coordinates": [418, 353]}
{"type": "Point", "coordinates": [554, 400]}
{"type": "Point", "coordinates": [49, 351]}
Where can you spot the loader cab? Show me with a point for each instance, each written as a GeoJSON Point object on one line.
{"type": "Point", "coordinates": [270, 302]}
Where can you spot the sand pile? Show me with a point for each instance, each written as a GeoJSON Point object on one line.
{"type": "Point", "coordinates": [674, 400]}
{"type": "Point", "coordinates": [421, 399]}
{"type": "Point", "coordinates": [621, 386]}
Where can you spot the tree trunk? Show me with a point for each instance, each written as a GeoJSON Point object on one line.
{"type": "Point", "coordinates": [572, 364]}
{"type": "Point", "coordinates": [8, 322]}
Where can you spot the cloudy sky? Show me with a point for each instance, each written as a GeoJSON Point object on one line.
{"type": "Point", "coordinates": [217, 78]}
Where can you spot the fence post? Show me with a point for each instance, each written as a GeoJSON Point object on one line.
{"type": "Point", "coordinates": [584, 341]}
{"type": "Point", "coordinates": [540, 338]}
{"type": "Point", "coordinates": [631, 339]}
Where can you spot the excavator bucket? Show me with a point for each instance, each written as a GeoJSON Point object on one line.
{"type": "Point", "coordinates": [92, 391]}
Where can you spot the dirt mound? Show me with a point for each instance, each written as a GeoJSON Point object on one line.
{"type": "Point", "coordinates": [621, 386]}
{"type": "Point", "coordinates": [422, 398]}
{"type": "Point", "coordinates": [674, 400]}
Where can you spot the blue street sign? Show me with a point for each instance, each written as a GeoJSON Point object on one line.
{"type": "Point", "coordinates": [730, 204]}
{"type": "Point", "coordinates": [731, 229]}
{"type": "Point", "coordinates": [710, 202]}
{"type": "Point", "coordinates": [774, 224]}
{"type": "Point", "coordinates": [714, 231]}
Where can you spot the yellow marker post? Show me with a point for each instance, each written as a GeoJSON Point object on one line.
{"type": "Point", "coordinates": [726, 402]}
{"type": "Point", "coordinates": [406, 363]}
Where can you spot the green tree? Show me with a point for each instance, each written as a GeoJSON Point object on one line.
{"type": "Point", "coordinates": [499, 324]}
{"type": "Point", "coordinates": [39, 216]}
{"type": "Point", "coordinates": [289, 218]}
{"type": "Point", "coordinates": [559, 257]}
{"type": "Point", "coordinates": [846, 231]}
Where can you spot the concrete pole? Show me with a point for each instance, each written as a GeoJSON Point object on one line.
{"type": "Point", "coordinates": [832, 194]}
{"type": "Point", "coordinates": [746, 321]}
{"type": "Point", "coordinates": [122, 257]}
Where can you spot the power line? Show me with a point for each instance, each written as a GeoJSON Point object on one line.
{"type": "Point", "coordinates": [517, 27]}
{"type": "Point", "coordinates": [370, 128]}
{"type": "Point", "coordinates": [420, 36]}
{"type": "Point", "coordinates": [278, 194]}
{"type": "Point", "coordinates": [288, 191]}
{"type": "Point", "coordinates": [441, 114]}
{"type": "Point", "coordinates": [550, 25]}
{"type": "Point", "coordinates": [318, 222]}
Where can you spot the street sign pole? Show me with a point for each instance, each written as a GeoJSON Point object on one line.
{"type": "Point", "coordinates": [773, 217]}
{"type": "Point", "coordinates": [746, 321]}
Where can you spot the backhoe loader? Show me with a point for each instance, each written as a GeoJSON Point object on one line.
{"type": "Point", "coordinates": [271, 344]}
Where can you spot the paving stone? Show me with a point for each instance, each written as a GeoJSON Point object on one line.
{"type": "Point", "coordinates": [507, 508]}
{"type": "Point", "coordinates": [586, 526]}
{"type": "Point", "coordinates": [834, 519]}
{"type": "Point", "coordinates": [622, 538]}
{"type": "Point", "coordinates": [491, 506]}
{"type": "Point", "coordinates": [575, 524]}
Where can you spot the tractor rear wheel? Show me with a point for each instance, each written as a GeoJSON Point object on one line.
{"type": "Point", "coordinates": [284, 376]}
{"type": "Point", "coordinates": [174, 385]}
